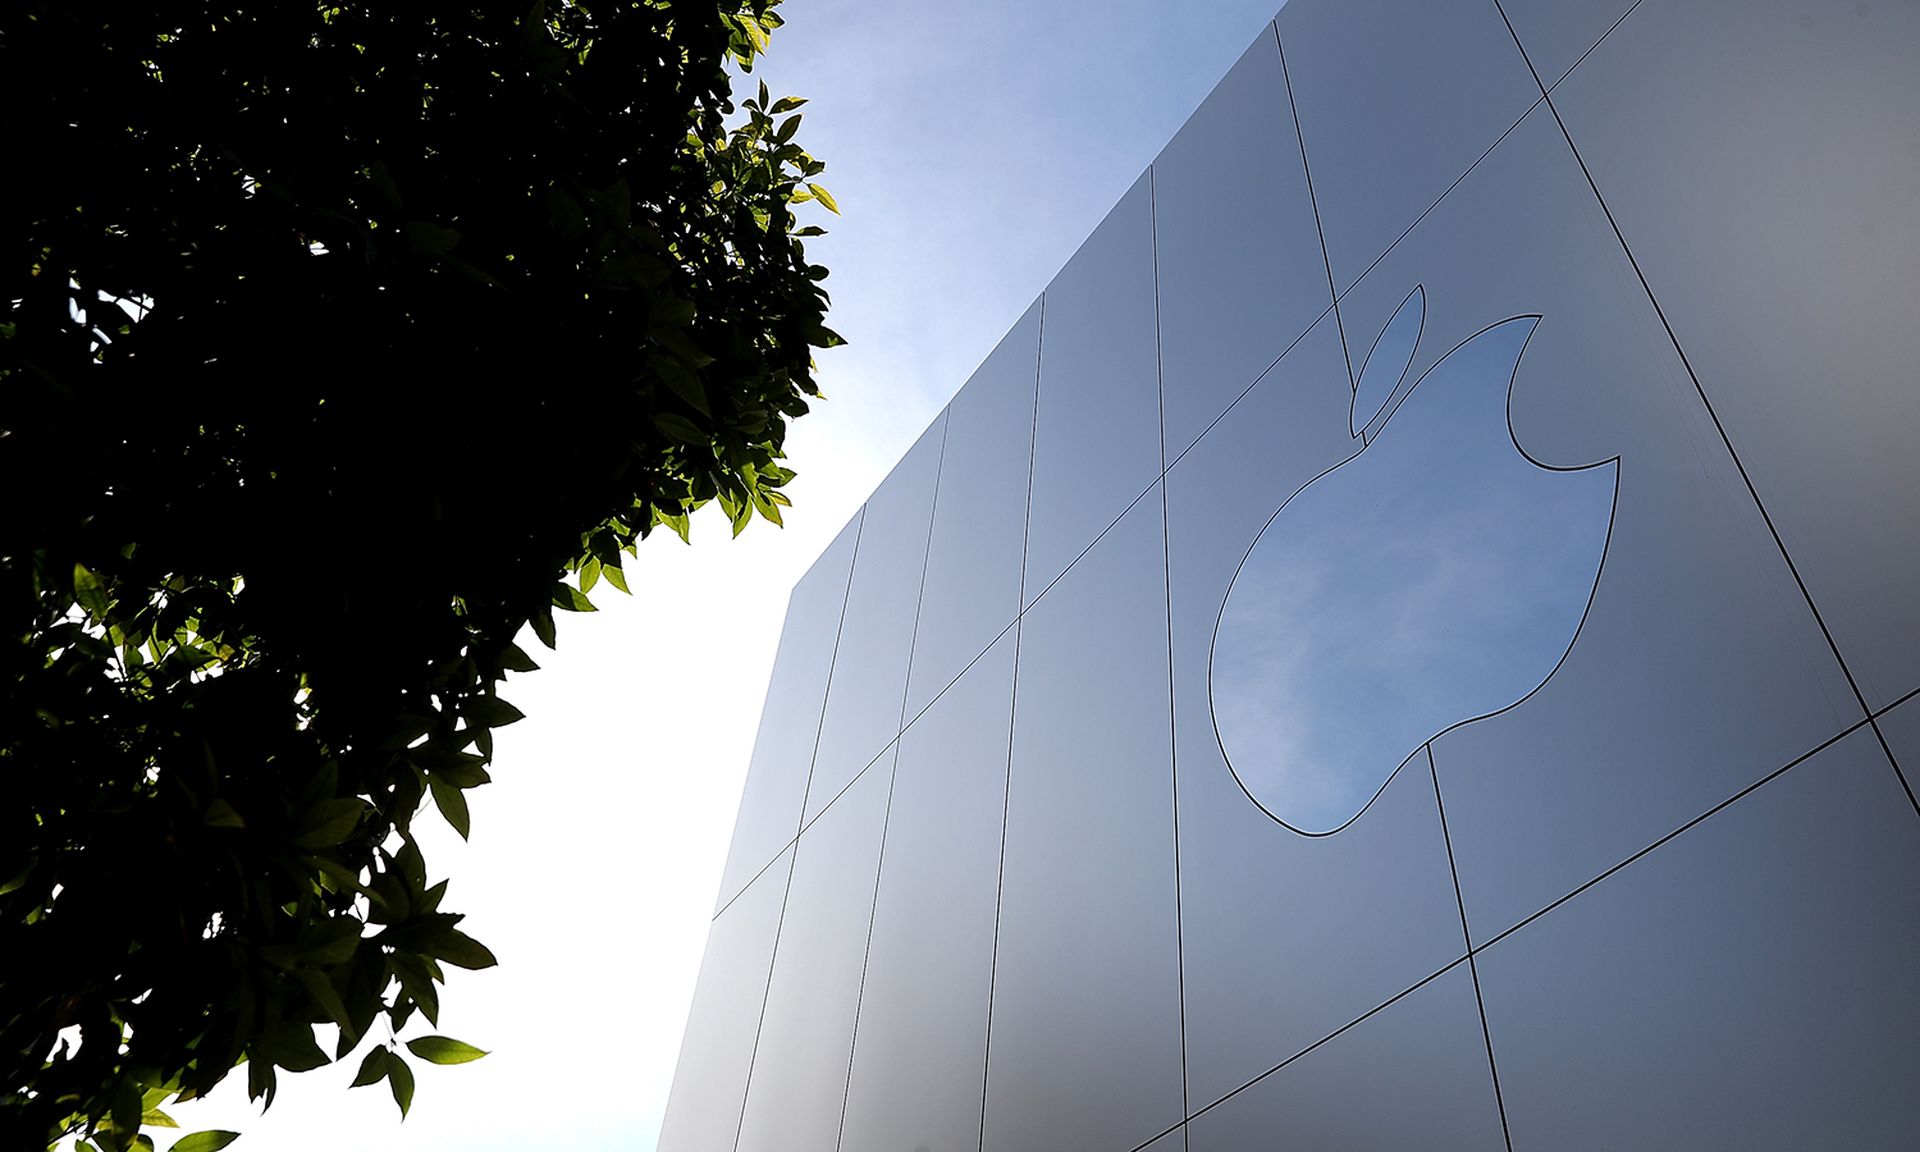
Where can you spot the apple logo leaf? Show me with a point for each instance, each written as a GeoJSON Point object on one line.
{"type": "Point", "coordinates": [1387, 363]}
{"type": "Point", "coordinates": [1436, 577]}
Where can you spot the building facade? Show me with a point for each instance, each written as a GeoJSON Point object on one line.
{"type": "Point", "coordinates": [1406, 644]}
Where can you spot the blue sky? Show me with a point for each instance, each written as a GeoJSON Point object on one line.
{"type": "Point", "coordinates": [970, 147]}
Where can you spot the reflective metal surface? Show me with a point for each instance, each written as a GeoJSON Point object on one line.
{"type": "Point", "coordinates": [799, 1078]}
{"type": "Point", "coordinates": [919, 1058]}
{"type": "Point", "coordinates": [1786, 255]}
{"type": "Point", "coordinates": [1539, 592]}
{"type": "Point", "coordinates": [1698, 667]}
{"type": "Point", "coordinates": [1436, 577]}
{"type": "Point", "coordinates": [979, 537]}
{"type": "Point", "coordinates": [1239, 257]}
{"type": "Point", "coordinates": [1396, 98]}
{"type": "Point", "coordinates": [1748, 984]}
{"type": "Point", "coordinates": [1413, 1075]}
{"type": "Point", "coordinates": [1286, 937]}
{"type": "Point", "coordinates": [776, 785]}
{"type": "Point", "coordinates": [710, 1082]}
{"type": "Point", "coordinates": [1086, 997]}
{"type": "Point", "coordinates": [1556, 34]}
{"type": "Point", "coordinates": [867, 694]}
{"type": "Point", "coordinates": [1096, 439]}
{"type": "Point", "coordinates": [1900, 728]}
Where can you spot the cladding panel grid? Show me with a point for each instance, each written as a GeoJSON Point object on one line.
{"type": "Point", "coordinates": [1657, 849]}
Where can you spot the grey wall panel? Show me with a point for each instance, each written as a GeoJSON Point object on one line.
{"type": "Point", "coordinates": [1097, 428]}
{"type": "Point", "coordinates": [776, 785]}
{"type": "Point", "coordinates": [868, 691]}
{"type": "Point", "coordinates": [919, 1057]}
{"type": "Point", "coordinates": [1555, 34]}
{"type": "Point", "coordinates": [799, 1078]}
{"type": "Point", "coordinates": [710, 1082]}
{"type": "Point", "coordinates": [1786, 254]}
{"type": "Point", "coordinates": [1241, 275]}
{"type": "Point", "coordinates": [1900, 728]}
{"type": "Point", "coordinates": [1086, 1007]}
{"type": "Point", "coordinates": [1748, 984]}
{"type": "Point", "coordinates": [1173, 1141]}
{"type": "Point", "coordinates": [1396, 99]}
{"type": "Point", "coordinates": [1414, 1075]}
{"type": "Point", "coordinates": [1698, 667]}
{"type": "Point", "coordinates": [1287, 937]}
{"type": "Point", "coordinates": [979, 536]}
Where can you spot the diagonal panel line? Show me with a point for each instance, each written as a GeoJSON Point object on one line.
{"type": "Point", "coordinates": [1333, 291]}
{"type": "Point", "coordinates": [1701, 391]}
{"type": "Point", "coordinates": [1013, 708]}
{"type": "Point", "coordinates": [1486, 1034]}
{"type": "Point", "coordinates": [1166, 588]}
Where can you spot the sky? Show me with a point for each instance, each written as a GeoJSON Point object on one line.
{"type": "Point", "coordinates": [970, 147]}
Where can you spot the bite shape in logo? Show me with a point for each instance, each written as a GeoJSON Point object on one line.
{"type": "Point", "coordinates": [1437, 576]}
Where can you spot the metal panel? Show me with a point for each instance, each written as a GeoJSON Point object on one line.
{"type": "Point", "coordinates": [1097, 428]}
{"type": "Point", "coordinates": [920, 1050]}
{"type": "Point", "coordinates": [1556, 34]}
{"type": "Point", "coordinates": [1748, 984]}
{"type": "Point", "coordinates": [710, 1082]}
{"type": "Point", "coordinates": [1240, 271]}
{"type": "Point", "coordinates": [1085, 1047]}
{"type": "Point", "coordinates": [1698, 667]}
{"type": "Point", "coordinates": [1413, 1075]}
{"type": "Point", "coordinates": [1900, 728]}
{"type": "Point", "coordinates": [799, 1078]}
{"type": "Point", "coordinates": [979, 516]}
{"type": "Point", "coordinates": [1396, 99]}
{"type": "Point", "coordinates": [776, 785]}
{"type": "Point", "coordinates": [869, 688]}
{"type": "Point", "coordinates": [1760, 158]}
{"type": "Point", "coordinates": [1287, 937]}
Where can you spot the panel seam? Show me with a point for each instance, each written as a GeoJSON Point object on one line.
{"type": "Point", "coordinates": [1166, 589]}
{"type": "Point", "coordinates": [1313, 200]}
{"type": "Point", "coordinates": [1013, 708]}
{"type": "Point", "coordinates": [1699, 389]}
{"type": "Point", "coordinates": [1466, 939]}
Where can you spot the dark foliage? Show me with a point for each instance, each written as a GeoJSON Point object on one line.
{"type": "Point", "coordinates": [337, 336]}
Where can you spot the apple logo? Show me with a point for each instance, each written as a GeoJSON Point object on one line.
{"type": "Point", "coordinates": [1437, 576]}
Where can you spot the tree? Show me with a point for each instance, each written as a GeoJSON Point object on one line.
{"type": "Point", "coordinates": [339, 335]}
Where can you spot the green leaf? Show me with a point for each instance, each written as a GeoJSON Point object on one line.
{"type": "Point", "coordinates": [493, 711]}
{"type": "Point", "coordinates": [825, 197]}
{"type": "Point", "coordinates": [220, 814]}
{"type": "Point", "coordinates": [680, 428]}
{"type": "Point", "coordinates": [406, 729]}
{"type": "Point", "coordinates": [417, 982]}
{"type": "Point", "coordinates": [18, 881]}
{"type": "Point", "coordinates": [328, 822]}
{"type": "Point", "coordinates": [157, 1119]}
{"type": "Point", "coordinates": [571, 599]}
{"type": "Point", "coordinates": [292, 1047]}
{"type": "Point", "coordinates": [589, 574]}
{"type": "Point", "coordinates": [615, 577]}
{"type": "Point", "coordinates": [88, 590]}
{"type": "Point", "coordinates": [513, 659]}
{"type": "Point", "coordinates": [444, 1050]}
{"type": "Point", "coordinates": [452, 804]}
{"type": "Point", "coordinates": [325, 995]}
{"type": "Point", "coordinates": [400, 1079]}
{"type": "Point", "coordinates": [786, 104]}
{"type": "Point", "coordinates": [461, 950]}
{"type": "Point", "coordinates": [542, 624]}
{"type": "Point", "coordinates": [211, 1140]}
{"type": "Point", "coordinates": [373, 1069]}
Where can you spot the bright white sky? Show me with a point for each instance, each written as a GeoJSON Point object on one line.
{"type": "Point", "coordinates": [971, 146]}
